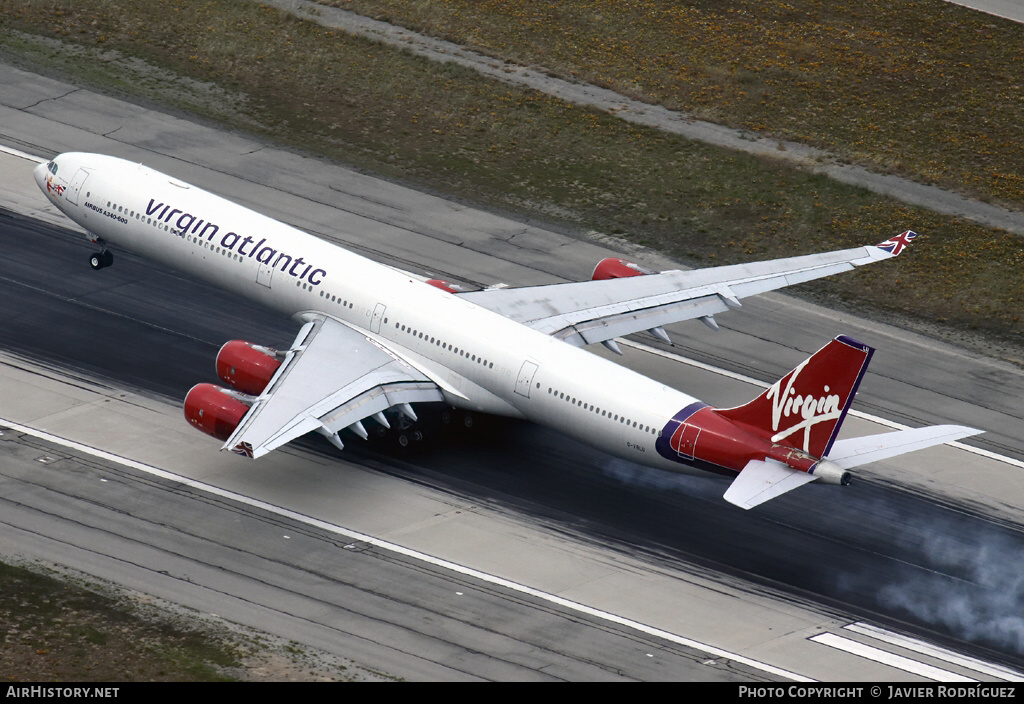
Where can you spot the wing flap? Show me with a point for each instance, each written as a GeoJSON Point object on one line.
{"type": "Point", "coordinates": [333, 377]}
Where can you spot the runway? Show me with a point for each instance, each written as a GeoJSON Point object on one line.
{"type": "Point", "coordinates": [924, 532]}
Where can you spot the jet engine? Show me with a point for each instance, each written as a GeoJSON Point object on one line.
{"type": "Point", "coordinates": [247, 367]}
{"type": "Point", "coordinates": [614, 268]}
{"type": "Point", "coordinates": [214, 410]}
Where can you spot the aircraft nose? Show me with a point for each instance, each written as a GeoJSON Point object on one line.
{"type": "Point", "coordinates": [39, 173]}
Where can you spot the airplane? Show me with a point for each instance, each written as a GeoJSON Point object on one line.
{"type": "Point", "coordinates": [375, 340]}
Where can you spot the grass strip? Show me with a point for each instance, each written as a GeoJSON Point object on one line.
{"type": "Point", "coordinates": [58, 631]}
{"type": "Point", "coordinates": [925, 89]}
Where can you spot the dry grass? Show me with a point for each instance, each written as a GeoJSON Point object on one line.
{"type": "Point", "coordinates": [58, 632]}
{"type": "Point", "coordinates": [64, 627]}
{"type": "Point", "coordinates": [926, 88]}
{"type": "Point", "coordinates": [447, 128]}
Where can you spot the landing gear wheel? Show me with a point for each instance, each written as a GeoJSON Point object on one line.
{"type": "Point", "coordinates": [99, 260]}
{"type": "Point", "coordinates": [408, 438]}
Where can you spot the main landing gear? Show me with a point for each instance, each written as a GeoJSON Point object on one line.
{"type": "Point", "coordinates": [408, 434]}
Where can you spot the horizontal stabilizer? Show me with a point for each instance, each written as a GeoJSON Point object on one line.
{"type": "Point", "coordinates": [763, 480]}
{"type": "Point", "coordinates": [854, 452]}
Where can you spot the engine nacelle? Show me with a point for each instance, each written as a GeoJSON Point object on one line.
{"type": "Point", "coordinates": [614, 268]}
{"type": "Point", "coordinates": [213, 410]}
{"type": "Point", "coordinates": [246, 367]}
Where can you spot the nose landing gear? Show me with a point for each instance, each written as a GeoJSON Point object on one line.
{"type": "Point", "coordinates": [99, 260]}
{"type": "Point", "coordinates": [104, 257]}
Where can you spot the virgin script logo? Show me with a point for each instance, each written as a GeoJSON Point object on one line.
{"type": "Point", "coordinates": [808, 409]}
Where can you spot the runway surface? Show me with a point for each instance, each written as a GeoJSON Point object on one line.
{"type": "Point", "coordinates": [929, 546]}
{"type": "Point", "coordinates": [873, 550]}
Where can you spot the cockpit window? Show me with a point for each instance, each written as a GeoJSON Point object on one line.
{"type": "Point", "coordinates": [52, 168]}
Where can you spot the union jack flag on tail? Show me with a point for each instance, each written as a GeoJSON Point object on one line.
{"type": "Point", "coordinates": [897, 244]}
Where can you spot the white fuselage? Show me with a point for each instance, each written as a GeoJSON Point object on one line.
{"type": "Point", "coordinates": [481, 360]}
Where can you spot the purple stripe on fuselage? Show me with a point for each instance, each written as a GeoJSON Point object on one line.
{"type": "Point", "coordinates": [663, 443]}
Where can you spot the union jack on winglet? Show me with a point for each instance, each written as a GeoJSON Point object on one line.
{"type": "Point", "coordinates": [243, 448]}
{"type": "Point", "coordinates": [897, 244]}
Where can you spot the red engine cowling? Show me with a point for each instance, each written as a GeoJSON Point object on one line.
{"type": "Point", "coordinates": [246, 367]}
{"type": "Point", "coordinates": [614, 268]}
{"type": "Point", "coordinates": [213, 410]}
{"type": "Point", "coordinates": [446, 286]}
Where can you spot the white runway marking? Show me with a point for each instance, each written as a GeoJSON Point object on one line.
{"type": "Point", "coordinates": [891, 659]}
{"type": "Point", "coordinates": [23, 155]}
{"type": "Point", "coordinates": [934, 651]}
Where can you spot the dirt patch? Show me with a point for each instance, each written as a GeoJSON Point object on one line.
{"type": "Point", "coordinates": [61, 626]}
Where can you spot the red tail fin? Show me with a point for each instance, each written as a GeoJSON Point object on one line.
{"type": "Point", "coordinates": [805, 408]}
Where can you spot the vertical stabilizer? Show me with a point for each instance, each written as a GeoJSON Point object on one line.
{"type": "Point", "coordinates": [805, 408]}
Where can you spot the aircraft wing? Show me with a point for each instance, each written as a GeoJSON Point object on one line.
{"type": "Point", "coordinates": [333, 377]}
{"type": "Point", "coordinates": [586, 312]}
